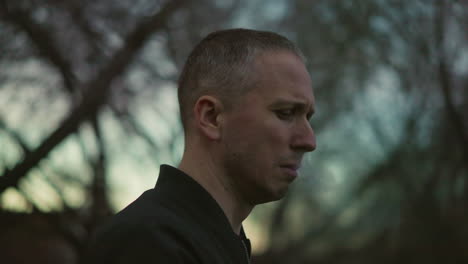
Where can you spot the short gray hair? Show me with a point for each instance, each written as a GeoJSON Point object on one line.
{"type": "Point", "coordinates": [222, 63]}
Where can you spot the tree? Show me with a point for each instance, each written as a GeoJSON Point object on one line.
{"type": "Point", "coordinates": [83, 88]}
{"type": "Point", "coordinates": [71, 68]}
{"type": "Point", "coordinates": [390, 82]}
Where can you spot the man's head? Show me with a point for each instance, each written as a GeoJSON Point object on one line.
{"type": "Point", "coordinates": [222, 65]}
{"type": "Point", "coordinates": [248, 96]}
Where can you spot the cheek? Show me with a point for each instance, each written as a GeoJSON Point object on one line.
{"type": "Point", "coordinates": [276, 135]}
{"type": "Point", "coordinates": [261, 136]}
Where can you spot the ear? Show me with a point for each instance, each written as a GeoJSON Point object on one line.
{"type": "Point", "coordinates": [208, 110]}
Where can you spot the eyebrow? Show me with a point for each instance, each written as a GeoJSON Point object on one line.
{"type": "Point", "coordinates": [294, 103]}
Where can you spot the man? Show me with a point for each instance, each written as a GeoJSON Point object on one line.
{"type": "Point", "coordinates": [245, 101]}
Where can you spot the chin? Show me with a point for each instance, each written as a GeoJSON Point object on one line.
{"type": "Point", "coordinates": [272, 196]}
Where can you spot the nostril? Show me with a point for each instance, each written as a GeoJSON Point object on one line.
{"type": "Point", "coordinates": [314, 146]}
{"type": "Point", "coordinates": [305, 145]}
{"type": "Point", "coordinates": [311, 147]}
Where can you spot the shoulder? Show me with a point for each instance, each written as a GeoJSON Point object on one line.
{"type": "Point", "coordinates": [139, 244]}
{"type": "Point", "coordinates": [145, 230]}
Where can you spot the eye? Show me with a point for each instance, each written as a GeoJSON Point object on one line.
{"type": "Point", "coordinates": [285, 114]}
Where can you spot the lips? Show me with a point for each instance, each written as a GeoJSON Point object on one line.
{"type": "Point", "coordinates": [290, 170]}
{"type": "Point", "coordinates": [291, 166]}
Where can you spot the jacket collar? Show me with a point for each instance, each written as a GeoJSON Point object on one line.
{"type": "Point", "coordinates": [185, 191]}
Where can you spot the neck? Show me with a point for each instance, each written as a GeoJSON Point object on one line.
{"type": "Point", "coordinates": [215, 181]}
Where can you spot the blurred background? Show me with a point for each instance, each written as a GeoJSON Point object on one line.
{"type": "Point", "coordinates": [88, 112]}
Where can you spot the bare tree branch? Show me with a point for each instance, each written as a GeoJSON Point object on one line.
{"type": "Point", "coordinates": [446, 84]}
{"type": "Point", "coordinates": [15, 136]}
{"type": "Point", "coordinates": [100, 206]}
{"type": "Point", "coordinates": [95, 94]}
{"type": "Point", "coordinates": [43, 40]}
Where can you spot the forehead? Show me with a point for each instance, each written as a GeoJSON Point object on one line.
{"type": "Point", "coordinates": [282, 74]}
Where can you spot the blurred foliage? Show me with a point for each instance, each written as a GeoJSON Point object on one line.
{"type": "Point", "coordinates": [88, 112]}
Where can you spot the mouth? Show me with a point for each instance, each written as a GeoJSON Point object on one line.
{"type": "Point", "coordinates": [291, 170]}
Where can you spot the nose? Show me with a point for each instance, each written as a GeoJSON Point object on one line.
{"type": "Point", "coordinates": [304, 138]}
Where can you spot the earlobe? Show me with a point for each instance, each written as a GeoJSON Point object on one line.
{"type": "Point", "coordinates": [208, 110]}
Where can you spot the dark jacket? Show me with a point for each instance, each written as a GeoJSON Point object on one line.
{"type": "Point", "coordinates": [176, 222]}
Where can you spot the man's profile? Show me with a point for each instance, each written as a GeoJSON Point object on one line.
{"type": "Point", "coordinates": [245, 101]}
